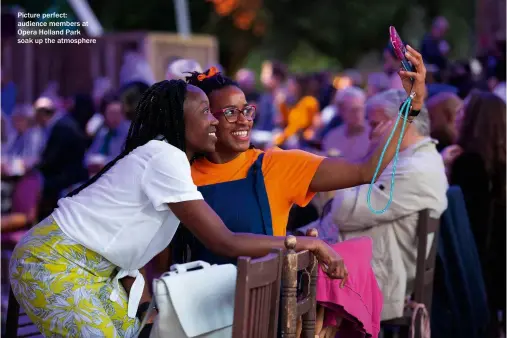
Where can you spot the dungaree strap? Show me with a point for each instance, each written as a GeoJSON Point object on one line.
{"type": "Point", "coordinates": [255, 172]}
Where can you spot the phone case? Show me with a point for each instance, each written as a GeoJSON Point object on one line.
{"type": "Point", "coordinates": [399, 49]}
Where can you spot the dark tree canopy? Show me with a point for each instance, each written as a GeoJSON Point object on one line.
{"type": "Point", "coordinates": [339, 29]}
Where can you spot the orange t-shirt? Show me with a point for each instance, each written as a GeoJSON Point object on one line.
{"type": "Point", "coordinates": [298, 118]}
{"type": "Point", "coordinates": [287, 177]}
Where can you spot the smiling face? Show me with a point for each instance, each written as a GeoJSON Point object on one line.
{"type": "Point", "coordinates": [232, 137]}
{"type": "Point", "coordinates": [200, 124]}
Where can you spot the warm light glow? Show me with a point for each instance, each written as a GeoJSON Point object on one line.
{"type": "Point", "coordinates": [342, 82]}
{"type": "Point", "coordinates": [243, 12]}
{"type": "Point", "coordinates": [243, 20]}
{"type": "Point", "coordinates": [225, 7]}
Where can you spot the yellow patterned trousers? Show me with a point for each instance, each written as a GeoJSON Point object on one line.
{"type": "Point", "coordinates": [64, 287]}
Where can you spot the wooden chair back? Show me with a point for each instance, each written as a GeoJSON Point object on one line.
{"type": "Point", "coordinates": [425, 266]}
{"type": "Point", "coordinates": [257, 297]}
{"type": "Point", "coordinates": [306, 304]}
{"type": "Point", "coordinates": [425, 272]}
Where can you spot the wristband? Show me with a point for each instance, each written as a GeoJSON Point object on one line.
{"type": "Point", "coordinates": [412, 112]}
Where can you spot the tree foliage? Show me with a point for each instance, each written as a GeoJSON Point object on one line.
{"type": "Point", "coordinates": [343, 30]}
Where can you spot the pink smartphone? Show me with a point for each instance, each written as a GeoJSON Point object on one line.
{"type": "Point", "coordinates": [400, 49]}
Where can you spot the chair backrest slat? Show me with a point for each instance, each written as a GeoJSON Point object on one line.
{"type": "Point", "coordinates": [257, 296]}
{"type": "Point", "coordinates": [425, 266]}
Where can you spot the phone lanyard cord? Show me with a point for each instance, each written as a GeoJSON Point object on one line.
{"type": "Point", "coordinates": [404, 111]}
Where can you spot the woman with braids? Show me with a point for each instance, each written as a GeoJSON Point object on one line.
{"type": "Point", "coordinates": [253, 191]}
{"type": "Point", "coordinates": [66, 271]}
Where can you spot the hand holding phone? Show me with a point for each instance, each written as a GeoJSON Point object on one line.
{"type": "Point", "coordinates": [413, 72]}
{"type": "Point", "coordinates": [400, 50]}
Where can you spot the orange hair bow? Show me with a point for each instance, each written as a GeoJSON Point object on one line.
{"type": "Point", "coordinates": [211, 72]}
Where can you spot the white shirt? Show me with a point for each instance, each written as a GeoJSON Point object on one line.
{"type": "Point", "coordinates": [420, 183]}
{"type": "Point", "coordinates": [124, 215]}
{"type": "Point", "coordinates": [353, 148]}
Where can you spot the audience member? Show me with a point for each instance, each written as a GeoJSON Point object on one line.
{"type": "Point", "coordinates": [330, 117]}
{"type": "Point", "coordinates": [135, 67]}
{"type": "Point", "coordinates": [377, 83]}
{"type": "Point", "coordinates": [81, 111]}
{"type": "Point", "coordinates": [109, 141]}
{"type": "Point", "coordinates": [351, 139]}
{"type": "Point", "coordinates": [61, 162]}
{"type": "Point", "coordinates": [460, 76]}
{"type": "Point", "coordinates": [477, 165]}
{"type": "Point", "coordinates": [355, 76]}
{"type": "Point", "coordinates": [9, 92]}
{"type": "Point", "coordinates": [273, 75]}
{"type": "Point", "coordinates": [101, 87]}
{"type": "Point", "coordinates": [297, 110]}
{"type": "Point", "coordinates": [246, 81]}
{"type": "Point", "coordinates": [420, 184]}
{"type": "Point", "coordinates": [434, 47]}
{"type": "Point", "coordinates": [27, 139]}
{"type": "Point", "coordinates": [130, 94]}
{"type": "Point", "coordinates": [327, 90]}
{"type": "Point", "coordinates": [443, 109]}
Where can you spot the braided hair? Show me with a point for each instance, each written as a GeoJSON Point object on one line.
{"type": "Point", "coordinates": [159, 112]}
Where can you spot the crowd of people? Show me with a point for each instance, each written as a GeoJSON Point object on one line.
{"type": "Point", "coordinates": [308, 137]}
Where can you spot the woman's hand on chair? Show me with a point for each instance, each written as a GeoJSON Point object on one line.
{"type": "Point", "coordinates": [332, 263]}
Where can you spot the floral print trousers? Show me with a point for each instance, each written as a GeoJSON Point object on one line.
{"type": "Point", "coordinates": [64, 288]}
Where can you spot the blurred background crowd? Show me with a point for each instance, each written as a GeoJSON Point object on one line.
{"type": "Point", "coordinates": [321, 74]}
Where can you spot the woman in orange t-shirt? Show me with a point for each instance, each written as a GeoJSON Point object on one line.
{"type": "Point", "coordinates": [297, 117]}
{"type": "Point", "coordinates": [253, 191]}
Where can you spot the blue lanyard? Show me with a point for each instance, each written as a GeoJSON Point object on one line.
{"type": "Point", "coordinates": [404, 111]}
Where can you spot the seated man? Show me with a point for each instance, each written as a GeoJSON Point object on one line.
{"type": "Point", "coordinates": [420, 183]}
{"type": "Point", "coordinates": [61, 162]}
{"type": "Point", "coordinates": [110, 138]}
{"type": "Point", "coordinates": [350, 139]}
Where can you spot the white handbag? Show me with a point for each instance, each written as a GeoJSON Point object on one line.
{"type": "Point", "coordinates": [198, 303]}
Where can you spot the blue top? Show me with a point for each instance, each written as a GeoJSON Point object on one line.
{"type": "Point", "coordinates": [243, 206]}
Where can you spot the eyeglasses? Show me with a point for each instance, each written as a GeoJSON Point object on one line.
{"type": "Point", "coordinates": [231, 114]}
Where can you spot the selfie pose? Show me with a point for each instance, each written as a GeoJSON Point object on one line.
{"type": "Point", "coordinates": [76, 273]}
{"type": "Point", "coordinates": [253, 191]}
